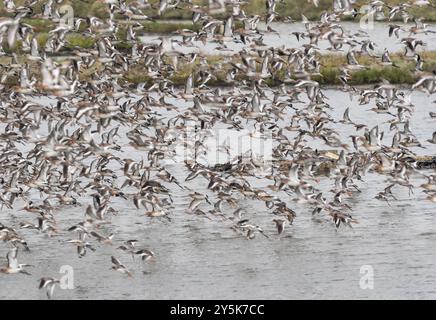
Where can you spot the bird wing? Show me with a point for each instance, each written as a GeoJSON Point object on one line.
{"type": "Point", "coordinates": [50, 292]}
{"type": "Point", "coordinates": [189, 84]}
{"type": "Point", "coordinates": [346, 116]}
{"type": "Point", "coordinates": [116, 261]}
{"type": "Point", "coordinates": [97, 235]}
{"type": "Point", "coordinates": [241, 222]}
{"type": "Point", "coordinates": [12, 33]}
{"type": "Point", "coordinates": [43, 282]}
{"type": "Point", "coordinates": [12, 258]}
{"type": "Point", "coordinates": [228, 32]}
{"type": "Point", "coordinates": [351, 58]}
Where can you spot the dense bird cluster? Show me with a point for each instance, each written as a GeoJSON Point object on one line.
{"type": "Point", "coordinates": [67, 139]}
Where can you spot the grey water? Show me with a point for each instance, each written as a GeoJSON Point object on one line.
{"type": "Point", "coordinates": [197, 258]}
{"type": "Point", "coordinates": [379, 34]}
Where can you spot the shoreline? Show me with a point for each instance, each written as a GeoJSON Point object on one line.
{"type": "Point", "coordinates": [171, 26]}
{"type": "Point", "coordinates": [328, 76]}
{"type": "Point", "coordinates": [286, 9]}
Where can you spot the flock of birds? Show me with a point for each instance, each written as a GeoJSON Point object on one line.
{"type": "Point", "coordinates": [70, 149]}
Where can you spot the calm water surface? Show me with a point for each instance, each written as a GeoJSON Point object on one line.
{"type": "Point", "coordinates": [379, 35]}
{"type": "Point", "coordinates": [201, 259]}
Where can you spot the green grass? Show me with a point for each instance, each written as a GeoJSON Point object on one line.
{"type": "Point", "coordinates": [95, 8]}
{"type": "Point", "coordinates": [295, 8]}
{"type": "Point", "coordinates": [285, 8]}
{"type": "Point", "coordinates": [40, 25]}
{"type": "Point", "coordinates": [42, 38]}
{"type": "Point", "coordinates": [220, 65]}
{"type": "Point", "coordinates": [78, 40]}
{"type": "Point", "coordinates": [330, 71]}
{"type": "Point", "coordinates": [404, 74]}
